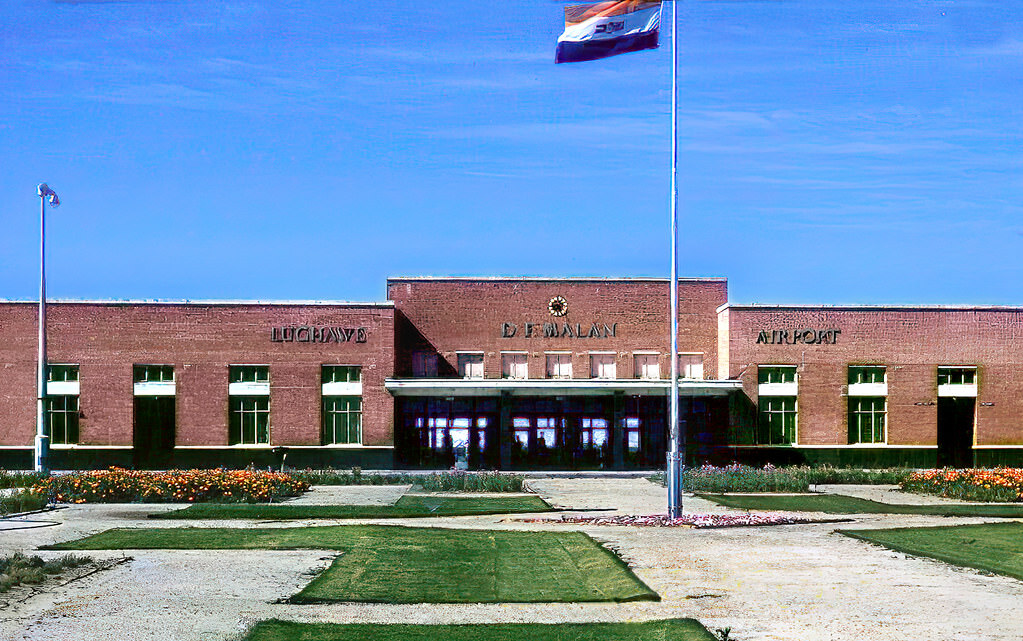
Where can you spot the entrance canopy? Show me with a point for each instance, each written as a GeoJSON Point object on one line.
{"type": "Point", "coordinates": [554, 387]}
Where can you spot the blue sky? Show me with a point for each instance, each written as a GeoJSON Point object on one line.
{"type": "Point", "coordinates": [830, 152]}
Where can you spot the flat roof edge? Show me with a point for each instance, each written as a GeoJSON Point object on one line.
{"type": "Point", "coordinates": [868, 308]}
{"type": "Point", "coordinates": [276, 303]}
{"type": "Point", "coordinates": [542, 279]}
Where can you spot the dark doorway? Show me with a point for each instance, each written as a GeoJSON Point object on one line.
{"type": "Point", "coordinates": [154, 431]}
{"type": "Point", "coordinates": [955, 431]}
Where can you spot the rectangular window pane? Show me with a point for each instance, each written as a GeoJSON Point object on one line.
{"type": "Point", "coordinates": [424, 364]}
{"type": "Point", "coordinates": [62, 419]}
{"type": "Point", "coordinates": [866, 374]}
{"type": "Point", "coordinates": [250, 374]}
{"type": "Point", "coordinates": [514, 366]}
{"type": "Point", "coordinates": [559, 366]}
{"type": "Point", "coordinates": [776, 374]}
{"type": "Point", "coordinates": [153, 373]}
{"type": "Point", "coordinates": [647, 366]}
{"type": "Point", "coordinates": [341, 374]}
{"type": "Point", "coordinates": [777, 420]}
{"type": "Point", "coordinates": [602, 366]}
{"type": "Point", "coordinates": [470, 365]}
{"type": "Point", "coordinates": [690, 366]}
{"type": "Point", "coordinates": [957, 375]}
{"type": "Point", "coordinates": [250, 420]}
{"type": "Point", "coordinates": [61, 373]}
{"type": "Point", "coordinates": [867, 419]}
{"type": "Point", "coordinates": [342, 420]}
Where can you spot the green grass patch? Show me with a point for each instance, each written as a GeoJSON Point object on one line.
{"type": "Point", "coordinates": [386, 564]}
{"type": "Point", "coordinates": [674, 629]}
{"type": "Point", "coordinates": [993, 547]}
{"type": "Point", "coordinates": [18, 569]}
{"type": "Point", "coordinates": [408, 506]}
{"type": "Point", "coordinates": [745, 478]}
{"type": "Point", "coordinates": [837, 504]}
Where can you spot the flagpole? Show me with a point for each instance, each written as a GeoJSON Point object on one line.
{"type": "Point", "coordinates": [677, 450]}
{"type": "Point", "coordinates": [42, 441]}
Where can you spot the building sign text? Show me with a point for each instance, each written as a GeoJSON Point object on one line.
{"type": "Point", "coordinates": [310, 334]}
{"type": "Point", "coordinates": [798, 336]}
{"type": "Point", "coordinates": [556, 330]}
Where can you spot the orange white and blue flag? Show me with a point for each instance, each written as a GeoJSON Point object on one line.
{"type": "Point", "coordinates": [602, 29]}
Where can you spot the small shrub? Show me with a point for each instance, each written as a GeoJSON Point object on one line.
{"type": "Point", "coordinates": [18, 569]}
{"type": "Point", "coordinates": [10, 479]}
{"type": "Point", "coordinates": [118, 485]}
{"type": "Point", "coordinates": [745, 478]}
{"type": "Point", "coordinates": [434, 482]}
{"type": "Point", "coordinates": [22, 501]}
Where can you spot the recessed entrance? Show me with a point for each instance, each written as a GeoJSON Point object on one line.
{"type": "Point", "coordinates": [955, 431]}
{"type": "Point", "coordinates": [154, 431]}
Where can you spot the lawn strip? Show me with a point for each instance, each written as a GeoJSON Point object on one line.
{"type": "Point", "coordinates": [674, 629]}
{"type": "Point", "coordinates": [839, 504]}
{"type": "Point", "coordinates": [408, 506]}
{"type": "Point", "coordinates": [419, 565]}
{"type": "Point", "coordinates": [992, 547]}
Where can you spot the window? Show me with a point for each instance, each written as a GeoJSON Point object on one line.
{"type": "Point", "coordinates": [62, 419]}
{"type": "Point", "coordinates": [602, 366]}
{"type": "Point", "coordinates": [865, 374]}
{"type": "Point", "coordinates": [153, 374]}
{"type": "Point", "coordinates": [470, 365]}
{"type": "Point", "coordinates": [61, 373]}
{"type": "Point", "coordinates": [632, 433]}
{"type": "Point", "coordinates": [867, 419]}
{"type": "Point", "coordinates": [250, 420]}
{"type": "Point", "coordinates": [514, 366]}
{"type": "Point", "coordinates": [250, 374]}
{"type": "Point", "coordinates": [559, 366]}
{"type": "Point", "coordinates": [777, 424]}
{"type": "Point", "coordinates": [424, 364]}
{"type": "Point", "coordinates": [342, 420]}
{"type": "Point", "coordinates": [341, 374]}
{"type": "Point", "coordinates": [956, 375]}
{"type": "Point", "coordinates": [521, 425]}
{"type": "Point", "coordinates": [767, 374]}
{"type": "Point", "coordinates": [547, 432]}
{"type": "Point", "coordinates": [647, 366]}
{"type": "Point", "coordinates": [593, 432]}
{"type": "Point", "coordinates": [690, 366]}
{"type": "Point", "coordinates": [249, 405]}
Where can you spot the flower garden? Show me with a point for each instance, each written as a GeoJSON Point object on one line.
{"type": "Point", "coordinates": [1002, 484]}
{"type": "Point", "coordinates": [117, 485]}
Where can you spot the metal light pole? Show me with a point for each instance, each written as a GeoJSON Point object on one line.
{"type": "Point", "coordinates": [42, 444]}
{"type": "Point", "coordinates": [677, 445]}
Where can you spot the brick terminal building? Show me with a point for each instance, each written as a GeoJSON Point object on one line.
{"type": "Point", "coordinates": [512, 373]}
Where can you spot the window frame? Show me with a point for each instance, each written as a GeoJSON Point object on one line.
{"type": "Point", "coordinates": [789, 434]}
{"type": "Point", "coordinates": [331, 414]}
{"type": "Point", "coordinates": [856, 427]}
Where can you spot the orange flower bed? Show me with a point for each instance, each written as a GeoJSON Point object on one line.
{"type": "Point", "coordinates": [117, 485]}
{"type": "Point", "coordinates": [1002, 484]}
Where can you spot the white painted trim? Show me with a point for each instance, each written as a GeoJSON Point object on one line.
{"type": "Point", "coordinates": [62, 446]}
{"type": "Point", "coordinates": [290, 447]}
{"type": "Point", "coordinates": [17, 447]}
{"type": "Point", "coordinates": [998, 447]}
{"type": "Point", "coordinates": [646, 352]}
{"type": "Point", "coordinates": [513, 351]}
{"type": "Point", "coordinates": [778, 389]}
{"type": "Point", "coordinates": [554, 387]}
{"type": "Point", "coordinates": [248, 389]}
{"type": "Point", "coordinates": [558, 352]}
{"type": "Point", "coordinates": [957, 389]}
{"type": "Point", "coordinates": [342, 389]}
{"type": "Point", "coordinates": [846, 446]}
{"type": "Point", "coordinates": [155, 388]}
{"type": "Point", "coordinates": [63, 388]}
{"type": "Point", "coordinates": [469, 351]}
{"type": "Point", "coordinates": [602, 353]}
{"type": "Point", "coordinates": [868, 389]}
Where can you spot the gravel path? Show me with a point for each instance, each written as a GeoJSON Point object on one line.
{"type": "Point", "coordinates": [785, 582]}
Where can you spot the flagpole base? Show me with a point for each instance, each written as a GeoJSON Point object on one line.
{"type": "Point", "coordinates": [673, 480]}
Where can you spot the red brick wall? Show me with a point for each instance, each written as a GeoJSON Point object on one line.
{"type": "Point", "coordinates": [911, 343]}
{"type": "Point", "coordinates": [449, 315]}
{"type": "Point", "coordinates": [201, 341]}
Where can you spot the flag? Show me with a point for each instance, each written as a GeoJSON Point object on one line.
{"type": "Point", "coordinates": [603, 29]}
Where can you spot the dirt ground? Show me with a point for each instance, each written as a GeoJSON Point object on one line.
{"type": "Point", "coordinates": [783, 582]}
